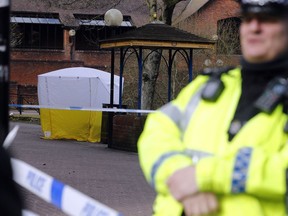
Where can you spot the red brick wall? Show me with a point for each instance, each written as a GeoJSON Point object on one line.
{"type": "Point", "coordinates": [204, 22]}
{"type": "Point", "coordinates": [126, 131]}
{"type": "Point", "coordinates": [27, 64]}
{"type": "Point", "coordinates": [25, 72]}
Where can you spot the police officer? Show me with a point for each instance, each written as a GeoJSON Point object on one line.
{"type": "Point", "coordinates": [220, 148]}
{"type": "Point", "coordinates": [10, 200]}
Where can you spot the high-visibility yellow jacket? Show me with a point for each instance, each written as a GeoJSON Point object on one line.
{"type": "Point", "coordinates": [247, 174]}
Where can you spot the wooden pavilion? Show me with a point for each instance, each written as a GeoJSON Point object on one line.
{"type": "Point", "coordinates": [154, 36]}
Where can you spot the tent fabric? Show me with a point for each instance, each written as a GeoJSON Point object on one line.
{"type": "Point", "coordinates": [71, 124]}
{"type": "Point", "coordinates": [74, 87]}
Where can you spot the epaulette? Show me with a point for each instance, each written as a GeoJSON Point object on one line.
{"type": "Point", "coordinates": [275, 92]}
{"type": "Point", "coordinates": [214, 86]}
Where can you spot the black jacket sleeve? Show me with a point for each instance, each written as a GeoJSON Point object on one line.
{"type": "Point", "coordinates": [10, 200]}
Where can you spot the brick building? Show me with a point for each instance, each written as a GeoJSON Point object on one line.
{"type": "Point", "coordinates": [44, 46]}
{"type": "Point", "coordinates": [44, 43]}
{"type": "Point", "coordinates": [43, 40]}
{"type": "Point", "coordinates": [205, 20]}
{"type": "Point", "coordinates": [217, 20]}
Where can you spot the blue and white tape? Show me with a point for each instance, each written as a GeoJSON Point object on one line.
{"type": "Point", "coordinates": [81, 108]}
{"type": "Point", "coordinates": [28, 213]}
{"type": "Point", "coordinates": [66, 198]}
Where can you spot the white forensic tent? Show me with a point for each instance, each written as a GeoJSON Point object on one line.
{"type": "Point", "coordinates": [73, 88]}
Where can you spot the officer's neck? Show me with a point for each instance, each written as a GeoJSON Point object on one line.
{"type": "Point", "coordinates": [279, 64]}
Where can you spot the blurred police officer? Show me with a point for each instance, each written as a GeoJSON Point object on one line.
{"type": "Point", "coordinates": [220, 148]}
{"type": "Point", "coordinates": [10, 201]}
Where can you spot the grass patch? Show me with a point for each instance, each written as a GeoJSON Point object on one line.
{"type": "Point", "coordinates": [25, 118]}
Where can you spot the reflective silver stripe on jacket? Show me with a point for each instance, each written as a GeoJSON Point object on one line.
{"type": "Point", "coordinates": [190, 109]}
{"type": "Point", "coordinates": [159, 162]}
{"type": "Point", "coordinates": [173, 112]}
{"type": "Point", "coordinates": [179, 118]}
{"type": "Point", "coordinates": [195, 155]}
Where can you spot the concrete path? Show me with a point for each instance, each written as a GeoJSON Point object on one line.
{"type": "Point", "coordinates": [111, 177]}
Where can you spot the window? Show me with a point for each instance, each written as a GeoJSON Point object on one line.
{"type": "Point", "coordinates": [228, 36]}
{"type": "Point", "coordinates": [93, 29]}
{"type": "Point", "coordinates": [36, 31]}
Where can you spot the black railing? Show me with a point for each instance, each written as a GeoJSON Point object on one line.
{"type": "Point", "coordinates": [17, 100]}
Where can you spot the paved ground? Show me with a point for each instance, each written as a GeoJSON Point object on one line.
{"type": "Point", "coordinates": [112, 177]}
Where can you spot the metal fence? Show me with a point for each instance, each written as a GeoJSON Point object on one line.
{"type": "Point", "coordinates": [22, 95]}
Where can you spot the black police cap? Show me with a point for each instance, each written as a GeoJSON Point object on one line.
{"type": "Point", "coordinates": [271, 7]}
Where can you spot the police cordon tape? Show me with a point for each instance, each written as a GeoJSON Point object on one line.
{"type": "Point", "coordinates": [66, 198]}
{"type": "Point", "coordinates": [119, 110]}
{"type": "Point", "coordinates": [53, 191]}
{"type": "Point", "coordinates": [28, 213]}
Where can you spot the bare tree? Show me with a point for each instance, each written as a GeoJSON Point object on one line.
{"type": "Point", "coordinates": [228, 36]}
{"type": "Point", "coordinates": [15, 35]}
{"type": "Point", "coordinates": [152, 63]}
